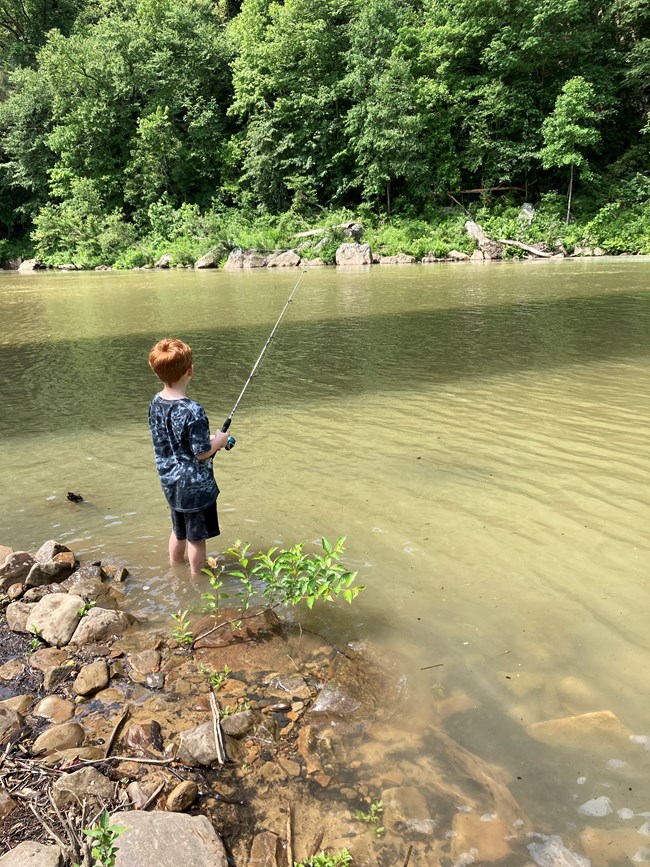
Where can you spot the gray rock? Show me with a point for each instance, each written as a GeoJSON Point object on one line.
{"type": "Point", "coordinates": [99, 624]}
{"type": "Point", "coordinates": [164, 839]}
{"type": "Point", "coordinates": [68, 266]}
{"type": "Point", "coordinates": [84, 785]}
{"type": "Point", "coordinates": [30, 265]}
{"type": "Point", "coordinates": [89, 587]}
{"type": "Point", "coordinates": [457, 256]}
{"type": "Point", "coordinates": [264, 850]}
{"type": "Point", "coordinates": [55, 618]}
{"type": "Point", "coordinates": [15, 568]}
{"type": "Point", "coordinates": [354, 231]}
{"type": "Point", "coordinates": [477, 256]}
{"type": "Point", "coordinates": [211, 259]}
{"type": "Point", "coordinates": [91, 678]}
{"type": "Point", "coordinates": [287, 259]}
{"type": "Point", "coordinates": [45, 572]}
{"type": "Point", "coordinates": [17, 615]}
{"type": "Point", "coordinates": [313, 263]}
{"type": "Point", "coordinates": [10, 723]}
{"type": "Point", "coordinates": [238, 724]}
{"type": "Point", "coordinates": [197, 746]}
{"type": "Point", "coordinates": [164, 261]}
{"type": "Point", "coordinates": [49, 550]}
{"type": "Point", "coordinates": [4, 553]}
{"type": "Point", "coordinates": [145, 662]}
{"type": "Point", "coordinates": [244, 259]}
{"type": "Point", "coordinates": [397, 259]}
{"type": "Point", "coordinates": [31, 854]}
{"type": "Point", "coordinates": [354, 254]}
{"type": "Point", "coordinates": [35, 594]}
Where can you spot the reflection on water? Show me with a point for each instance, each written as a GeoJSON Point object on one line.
{"type": "Point", "coordinates": [478, 433]}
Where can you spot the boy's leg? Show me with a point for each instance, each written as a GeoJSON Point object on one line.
{"type": "Point", "coordinates": [176, 549]}
{"type": "Point", "coordinates": [196, 553]}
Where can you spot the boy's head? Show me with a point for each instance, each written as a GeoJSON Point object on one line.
{"type": "Point", "coordinates": [170, 359]}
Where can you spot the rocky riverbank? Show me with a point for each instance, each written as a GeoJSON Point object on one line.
{"type": "Point", "coordinates": [249, 743]}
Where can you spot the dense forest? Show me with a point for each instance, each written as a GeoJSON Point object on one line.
{"type": "Point", "coordinates": [137, 127]}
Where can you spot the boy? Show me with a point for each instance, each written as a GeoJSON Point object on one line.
{"type": "Point", "coordinates": [184, 450]}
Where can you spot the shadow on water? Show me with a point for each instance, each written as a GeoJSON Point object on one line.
{"type": "Point", "coordinates": [100, 383]}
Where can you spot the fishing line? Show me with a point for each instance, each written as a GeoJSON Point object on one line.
{"type": "Point", "coordinates": [231, 440]}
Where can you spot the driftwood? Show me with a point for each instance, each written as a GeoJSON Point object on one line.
{"type": "Point", "coordinates": [311, 232]}
{"type": "Point", "coordinates": [526, 247]}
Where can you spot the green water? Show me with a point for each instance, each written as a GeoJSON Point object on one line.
{"type": "Point", "coordinates": [479, 433]}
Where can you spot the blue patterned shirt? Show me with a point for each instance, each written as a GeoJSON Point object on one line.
{"type": "Point", "coordinates": [180, 430]}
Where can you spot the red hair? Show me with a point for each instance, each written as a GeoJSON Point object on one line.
{"type": "Point", "coordinates": [170, 359]}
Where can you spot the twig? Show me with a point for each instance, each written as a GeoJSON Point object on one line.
{"type": "Point", "coordinates": [118, 726]}
{"type": "Point", "coordinates": [437, 665]}
{"type": "Point", "coordinates": [317, 842]}
{"type": "Point", "coordinates": [217, 728]}
{"type": "Point", "coordinates": [289, 836]}
{"type": "Point", "coordinates": [153, 796]}
{"type": "Point", "coordinates": [408, 856]}
{"type": "Point", "coordinates": [49, 830]}
{"type": "Point", "coordinates": [65, 822]}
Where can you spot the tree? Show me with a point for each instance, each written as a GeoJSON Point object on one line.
{"type": "Point", "coordinates": [570, 129]}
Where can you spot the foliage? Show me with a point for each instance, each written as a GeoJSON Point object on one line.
{"type": "Point", "coordinates": [372, 817]}
{"type": "Point", "coordinates": [326, 859]}
{"type": "Point", "coordinates": [181, 631]}
{"type": "Point", "coordinates": [215, 678]}
{"type": "Point", "coordinates": [289, 576]}
{"type": "Point", "coordinates": [103, 838]}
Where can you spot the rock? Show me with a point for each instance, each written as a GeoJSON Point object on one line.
{"type": "Point", "coordinates": [197, 746]}
{"type": "Point", "coordinates": [57, 569]}
{"type": "Point", "coordinates": [551, 852]}
{"type": "Point", "coordinates": [477, 256]}
{"type": "Point", "coordinates": [10, 723]}
{"type": "Point", "coordinates": [55, 709]}
{"type": "Point", "coordinates": [354, 254]}
{"type": "Point", "coordinates": [5, 552]}
{"type": "Point", "coordinates": [100, 624]}
{"type": "Point", "coordinates": [20, 703]}
{"type": "Point", "coordinates": [486, 837]}
{"type": "Point", "coordinates": [397, 259]}
{"type": "Point", "coordinates": [115, 571]}
{"type": "Point", "coordinates": [57, 675]}
{"type": "Point", "coordinates": [354, 231]}
{"type": "Point", "coordinates": [291, 686]}
{"type": "Point", "coordinates": [597, 807]}
{"type": "Point", "coordinates": [238, 724]}
{"type": "Point", "coordinates": [49, 550]}
{"type": "Point", "coordinates": [7, 804]}
{"type": "Point", "coordinates": [35, 594]}
{"type": "Point", "coordinates": [89, 587]}
{"type": "Point", "coordinates": [91, 678]}
{"type": "Point", "coordinates": [287, 259]}
{"type": "Point", "coordinates": [211, 259]}
{"type": "Point", "coordinates": [84, 785]}
{"type": "Point", "coordinates": [601, 733]}
{"type": "Point", "coordinates": [313, 263]}
{"type": "Point", "coordinates": [143, 736]}
{"type": "Point", "coordinates": [15, 591]}
{"type": "Point", "coordinates": [146, 662]}
{"type": "Point", "coordinates": [431, 257]}
{"type": "Point", "coordinates": [47, 658]}
{"type": "Point", "coordinates": [11, 669]}
{"type": "Point", "coordinates": [307, 749]}
{"type": "Point", "coordinates": [164, 261]}
{"type": "Point", "coordinates": [406, 812]}
{"type": "Point", "coordinates": [255, 626]}
{"type": "Point", "coordinates": [264, 850]}
{"type": "Point", "coordinates": [31, 854]}
{"type": "Point", "coordinates": [475, 231]}
{"type": "Point", "coordinates": [68, 266]}
{"type": "Point", "coordinates": [608, 846]}
{"type": "Point", "coordinates": [527, 214]}
{"type": "Point", "coordinates": [244, 259]}
{"type": "Point", "coordinates": [55, 618]}
{"type": "Point", "coordinates": [30, 265]}
{"type": "Point", "coordinates": [59, 737]}
{"type": "Point", "coordinates": [182, 796]}
{"type": "Point", "coordinates": [15, 568]}
{"type": "Point", "coordinates": [71, 756]}
{"type": "Point", "coordinates": [457, 256]}
{"type": "Point", "coordinates": [17, 615]}
{"type": "Point", "coordinates": [576, 695]}
{"type": "Point", "coordinates": [160, 839]}
{"type": "Point", "coordinates": [140, 792]}
{"type": "Point", "coordinates": [291, 768]}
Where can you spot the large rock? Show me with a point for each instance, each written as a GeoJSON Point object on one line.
{"type": "Point", "coordinates": [31, 854]}
{"type": "Point", "coordinates": [17, 615]}
{"type": "Point", "coordinates": [30, 265]}
{"type": "Point", "coordinates": [182, 796]}
{"type": "Point", "coordinates": [486, 835]}
{"type": "Point", "coordinates": [244, 259]}
{"type": "Point", "coordinates": [197, 746]}
{"type": "Point", "coordinates": [287, 259]}
{"type": "Point", "coordinates": [406, 812]}
{"type": "Point", "coordinates": [166, 839]}
{"type": "Point", "coordinates": [15, 568]}
{"type": "Point", "coordinates": [164, 262]}
{"type": "Point", "coordinates": [86, 582]}
{"type": "Point", "coordinates": [49, 550]}
{"type": "Point", "coordinates": [10, 723]}
{"type": "Point", "coordinates": [354, 254]}
{"type": "Point", "coordinates": [397, 259]}
{"type": "Point", "coordinates": [84, 785]}
{"type": "Point", "coordinates": [4, 553]}
{"type": "Point", "coordinates": [91, 678]}
{"type": "Point", "coordinates": [55, 618]}
{"type": "Point", "coordinates": [601, 733]}
{"type": "Point", "coordinates": [457, 256]}
{"type": "Point", "coordinates": [47, 571]}
{"type": "Point", "coordinates": [211, 259]}
{"type": "Point", "coordinates": [59, 737]}
{"type": "Point", "coordinates": [264, 850]}
{"type": "Point", "coordinates": [100, 624]}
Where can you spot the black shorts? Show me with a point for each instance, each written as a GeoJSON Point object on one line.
{"type": "Point", "coordinates": [196, 526]}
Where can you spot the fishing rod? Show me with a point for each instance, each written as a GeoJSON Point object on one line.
{"type": "Point", "coordinates": [231, 440]}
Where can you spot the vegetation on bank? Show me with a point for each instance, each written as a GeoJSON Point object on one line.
{"type": "Point", "coordinates": [132, 129]}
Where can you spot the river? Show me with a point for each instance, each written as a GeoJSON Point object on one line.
{"type": "Point", "coordinates": [478, 432]}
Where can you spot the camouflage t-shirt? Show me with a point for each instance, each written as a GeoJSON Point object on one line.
{"type": "Point", "coordinates": [180, 430]}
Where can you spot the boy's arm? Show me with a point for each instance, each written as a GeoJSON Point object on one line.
{"type": "Point", "coordinates": [218, 441]}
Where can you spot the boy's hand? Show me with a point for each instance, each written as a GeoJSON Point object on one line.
{"type": "Point", "coordinates": [220, 439]}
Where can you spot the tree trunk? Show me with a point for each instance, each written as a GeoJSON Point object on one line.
{"type": "Point", "coordinates": [388, 196]}
{"type": "Point", "coordinates": [568, 207]}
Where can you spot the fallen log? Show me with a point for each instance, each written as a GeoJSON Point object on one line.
{"type": "Point", "coordinates": [312, 232]}
{"type": "Point", "coordinates": [526, 247]}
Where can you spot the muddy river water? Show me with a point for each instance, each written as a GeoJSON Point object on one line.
{"type": "Point", "coordinates": [479, 434]}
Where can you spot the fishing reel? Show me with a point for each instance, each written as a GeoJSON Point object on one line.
{"type": "Point", "coordinates": [230, 444]}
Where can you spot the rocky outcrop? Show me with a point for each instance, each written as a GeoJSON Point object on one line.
{"type": "Point", "coordinates": [239, 259]}
{"type": "Point", "coordinates": [354, 254]}
{"type": "Point", "coordinates": [211, 259]}
{"type": "Point", "coordinates": [28, 265]}
{"type": "Point", "coordinates": [288, 259]}
{"type": "Point", "coordinates": [397, 259]}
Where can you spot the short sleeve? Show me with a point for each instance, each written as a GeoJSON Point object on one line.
{"type": "Point", "coordinates": [198, 429]}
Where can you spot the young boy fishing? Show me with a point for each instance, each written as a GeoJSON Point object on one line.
{"type": "Point", "coordinates": [184, 448]}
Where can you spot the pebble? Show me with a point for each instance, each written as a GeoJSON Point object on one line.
{"type": "Point", "coordinates": [182, 796]}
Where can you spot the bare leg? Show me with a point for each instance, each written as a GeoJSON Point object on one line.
{"type": "Point", "coordinates": [196, 552]}
{"type": "Point", "coordinates": [176, 549]}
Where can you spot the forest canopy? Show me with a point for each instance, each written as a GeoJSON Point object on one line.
{"type": "Point", "coordinates": [163, 119]}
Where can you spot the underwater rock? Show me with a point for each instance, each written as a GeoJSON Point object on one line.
{"type": "Point", "coordinates": [601, 732]}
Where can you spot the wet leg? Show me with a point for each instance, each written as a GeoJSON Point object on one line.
{"type": "Point", "coordinates": [176, 549]}
{"type": "Point", "coordinates": [196, 552]}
